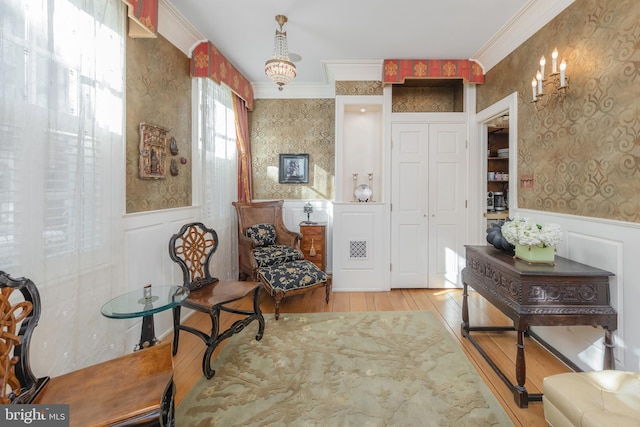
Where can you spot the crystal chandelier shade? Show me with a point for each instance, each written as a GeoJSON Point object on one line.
{"type": "Point", "coordinates": [279, 68]}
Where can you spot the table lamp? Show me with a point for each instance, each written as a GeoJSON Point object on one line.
{"type": "Point", "coordinates": [308, 209]}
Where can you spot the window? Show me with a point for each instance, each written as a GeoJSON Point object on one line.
{"type": "Point", "coordinates": [61, 133]}
{"type": "Point", "coordinates": [219, 172]}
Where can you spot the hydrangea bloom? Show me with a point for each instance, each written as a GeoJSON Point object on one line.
{"type": "Point", "coordinates": [525, 232]}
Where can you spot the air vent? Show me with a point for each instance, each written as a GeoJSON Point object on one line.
{"type": "Point", "coordinates": [358, 249]}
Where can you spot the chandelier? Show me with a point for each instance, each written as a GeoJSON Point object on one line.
{"type": "Point", "coordinates": [279, 68]}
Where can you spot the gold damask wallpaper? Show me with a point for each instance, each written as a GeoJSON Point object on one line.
{"type": "Point", "coordinates": [585, 154]}
{"type": "Point", "coordinates": [424, 99]}
{"type": "Point", "coordinates": [283, 126]}
{"type": "Point", "coordinates": [360, 88]}
{"type": "Point", "coordinates": [158, 92]}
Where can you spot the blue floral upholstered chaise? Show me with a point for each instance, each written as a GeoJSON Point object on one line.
{"type": "Point", "coordinates": [267, 252]}
{"type": "Point", "coordinates": [270, 253]}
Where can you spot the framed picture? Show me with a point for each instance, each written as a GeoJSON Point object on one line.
{"type": "Point", "coordinates": [294, 168]}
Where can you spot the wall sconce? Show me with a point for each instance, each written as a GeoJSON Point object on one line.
{"type": "Point", "coordinates": [555, 88]}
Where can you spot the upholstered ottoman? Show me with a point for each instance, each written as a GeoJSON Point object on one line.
{"type": "Point", "coordinates": [291, 278]}
{"type": "Point", "coordinates": [590, 399]}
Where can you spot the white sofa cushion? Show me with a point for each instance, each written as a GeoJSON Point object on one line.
{"type": "Point", "coordinates": [590, 399]}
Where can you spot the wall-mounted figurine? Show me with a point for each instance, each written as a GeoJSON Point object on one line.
{"type": "Point", "coordinates": [174, 168]}
{"type": "Point", "coordinates": [173, 146]}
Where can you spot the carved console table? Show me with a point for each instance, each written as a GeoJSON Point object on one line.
{"type": "Point", "coordinates": [567, 293]}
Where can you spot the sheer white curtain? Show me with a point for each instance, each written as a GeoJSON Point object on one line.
{"type": "Point", "coordinates": [61, 161]}
{"type": "Point", "coordinates": [219, 170]}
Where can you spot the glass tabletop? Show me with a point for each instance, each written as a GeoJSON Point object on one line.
{"type": "Point", "coordinates": [144, 301]}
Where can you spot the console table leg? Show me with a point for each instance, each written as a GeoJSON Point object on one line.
{"type": "Point", "coordinates": [464, 328]}
{"type": "Point", "coordinates": [609, 360]}
{"type": "Point", "coordinates": [520, 392]}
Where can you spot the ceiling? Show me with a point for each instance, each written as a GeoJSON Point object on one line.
{"type": "Point", "coordinates": [346, 30]}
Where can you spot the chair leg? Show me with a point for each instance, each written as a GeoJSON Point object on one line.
{"type": "Point", "coordinates": [327, 289]}
{"type": "Point", "coordinates": [278, 296]}
{"type": "Point", "coordinates": [176, 329]}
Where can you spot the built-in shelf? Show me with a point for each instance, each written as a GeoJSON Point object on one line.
{"type": "Point", "coordinates": [497, 215]}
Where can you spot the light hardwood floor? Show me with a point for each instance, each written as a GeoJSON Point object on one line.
{"type": "Point", "coordinates": [445, 303]}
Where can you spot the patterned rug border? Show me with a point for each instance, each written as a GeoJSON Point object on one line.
{"type": "Point", "coordinates": [367, 376]}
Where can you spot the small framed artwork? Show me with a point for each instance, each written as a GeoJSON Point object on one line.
{"type": "Point", "coordinates": [294, 168]}
{"type": "Point", "coordinates": [153, 151]}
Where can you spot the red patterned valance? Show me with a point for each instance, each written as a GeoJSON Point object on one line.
{"type": "Point", "coordinates": [143, 18]}
{"type": "Point", "coordinates": [397, 70]}
{"type": "Point", "coordinates": [207, 61]}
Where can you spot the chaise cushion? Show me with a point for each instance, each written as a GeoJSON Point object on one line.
{"type": "Point", "coordinates": [275, 254]}
{"type": "Point", "coordinates": [263, 234]}
{"type": "Point", "coordinates": [292, 275]}
{"type": "Point", "coordinates": [592, 399]}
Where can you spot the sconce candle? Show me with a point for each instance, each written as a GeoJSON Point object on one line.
{"type": "Point", "coordinates": [539, 79]}
{"type": "Point", "coordinates": [554, 61]}
{"type": "Point", "coordinates": [563, 66]}
{"type": "Point", "coordinates": [534, 84]}
{"type": "Point", "coordinates": [542, 64]}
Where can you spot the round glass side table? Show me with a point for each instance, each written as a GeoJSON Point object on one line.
{"type": "Point", "coordinates": [144, 303]}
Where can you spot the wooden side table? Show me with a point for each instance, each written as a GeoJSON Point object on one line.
{"type": "Point", "coordinates": [314, 241]}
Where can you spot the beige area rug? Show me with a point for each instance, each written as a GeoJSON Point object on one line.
{"type": "Point", "coordinates": [343, 369]}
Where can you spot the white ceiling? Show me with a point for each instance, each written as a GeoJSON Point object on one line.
{"type": "Point", "coordinates": [346, 30]}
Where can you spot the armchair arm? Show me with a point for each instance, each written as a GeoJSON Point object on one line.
{"type": "Point", "coordinates": [246, 246]}
{"type": "Point", "coordinates": [284, 236]}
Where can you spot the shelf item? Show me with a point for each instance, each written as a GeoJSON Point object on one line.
{"type": "Point", "coordinates": [313, 244]}
{"type": "Point", "coordinates": [363, 193]}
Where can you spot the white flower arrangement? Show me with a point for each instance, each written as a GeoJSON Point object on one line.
{"type": "Point", "coordinates": [525, 232]}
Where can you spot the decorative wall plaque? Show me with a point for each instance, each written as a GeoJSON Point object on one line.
{"type": "Point", "coordinates": [153, 151]}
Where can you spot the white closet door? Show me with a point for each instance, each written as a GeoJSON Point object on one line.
{"type": "Point", "coordinates": [428, 174]}
{"type": "Point", "coordinates": [447, 203]}
{"type": "Point", "coordinates": [409, 205]}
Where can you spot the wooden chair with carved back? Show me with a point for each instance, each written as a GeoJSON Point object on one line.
{"type": "Point", "coordinates": [98, 395]}
{"type": "Point", "coordinates": [192, 248]}
{"type": "Point", "coordinates": [19, 315]}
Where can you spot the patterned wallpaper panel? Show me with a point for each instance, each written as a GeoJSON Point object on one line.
{"type": "Point", "coordinates": [359, 88]}
{"type": "Point", "coordinates": [158, 92]}
{"type": "Point", "coordinates": [283, 126]}
{"type": "Point", "coordinates": [423, 99]}
{"type": "Point", "coordinates": [584, 155]}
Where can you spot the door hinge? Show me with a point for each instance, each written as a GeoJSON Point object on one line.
{"type": "Point", "coordinates": [390, 267]}
{"type": "Point", "coordinates": [465, 204]}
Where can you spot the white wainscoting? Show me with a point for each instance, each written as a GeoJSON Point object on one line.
{"type": "Point", "coordinates": [146, 248]}
{"type": "Point", "coordinates": [146, 243]}
{"type": "Point", "coordinates": [613, 246]}
{"type": "Point", "coordinates": [361, 248]}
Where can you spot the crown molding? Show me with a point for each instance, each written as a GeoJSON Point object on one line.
{"type": "Point", "coordinates": [352, 70]}
{"type": "Point", "coordinates": [176, 29]}
{"type": "Point", "coordinates": [534, 15]}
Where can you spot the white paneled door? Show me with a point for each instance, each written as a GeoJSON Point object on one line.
{"type": "Point", "coordinates": [428, 196]}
